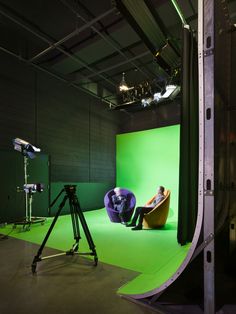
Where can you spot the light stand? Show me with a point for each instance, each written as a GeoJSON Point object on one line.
{"type": "Point", "coordinates": [76, 215]}
{"type": "Point", "coordinates": [26, 182]}
{"type": "Point", "coordinates": [27, 150]}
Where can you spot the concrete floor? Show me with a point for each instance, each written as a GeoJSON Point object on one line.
{"type": "Point", "coordinates": [71, 284]}
{"type": "Point", "coordinates": [62, 285]}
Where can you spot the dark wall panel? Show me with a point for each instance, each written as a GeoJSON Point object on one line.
{"type": "Point", "coordinates": [102, 145]}
{"type": "Point", "coordinates": [63, 129]}
{"type": "Point", "coordinates": [232, 134]}
{"type": "Point", "coordinates": [96, 192]}
{"type": "Point", "coordinates": [17, 111]}
{"type": "Point", "coordinates": [12, 206]}
{"type": "Point", "coordinates": [162, 115]}
{"type": "Point", "coordinates": [75, 129]}
{"type": "Point", "coordinates": [38, 172]}
{"type": "Point", "coordinates": [12, 196]}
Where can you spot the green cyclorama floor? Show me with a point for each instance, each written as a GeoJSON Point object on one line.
{"type": "Point", "coordinates": [154, 253]}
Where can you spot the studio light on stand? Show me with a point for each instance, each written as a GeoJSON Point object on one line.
{"type": "Point", "coordinates": [28, 151]}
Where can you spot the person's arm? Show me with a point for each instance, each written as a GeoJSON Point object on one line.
{"type": "Point", "coordinates": [123, 200]}
{"type": "Point", "coordinates": [150, 205]}
{"type": "Point", "coordinates": [113, 199]}
{"type": "Point", "coordinates": [157, 200]}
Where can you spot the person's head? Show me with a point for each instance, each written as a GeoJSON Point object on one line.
{"type": "Point", "coordinates": [117, 191]}
{"type": "Point", "coordinates": [160, 189]}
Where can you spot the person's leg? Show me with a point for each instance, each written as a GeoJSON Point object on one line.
{"type": "Point", "coordinates": [122, 209]}
{"type": "Point", "coordinates": [138, 211]}
{"type": "Point", "coordinates": [144, 211]}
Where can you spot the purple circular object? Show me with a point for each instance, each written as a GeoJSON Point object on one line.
{"type": "Point", "coordinates": [112, 213]}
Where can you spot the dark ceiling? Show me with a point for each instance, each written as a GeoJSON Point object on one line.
{"type": "Point", "coordinates": [89, 44]}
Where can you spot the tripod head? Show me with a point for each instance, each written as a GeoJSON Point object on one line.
{"type": "Point", "coordinates": [70, 189]}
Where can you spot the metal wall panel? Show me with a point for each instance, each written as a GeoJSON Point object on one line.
{"type": "Point", "coordinates": [208, 166]}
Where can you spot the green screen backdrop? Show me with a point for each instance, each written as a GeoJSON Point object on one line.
{"type": "Point", "coordinates": [148, 159]}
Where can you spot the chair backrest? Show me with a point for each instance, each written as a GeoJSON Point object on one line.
{"type": "Point", "coordinates": [157, 217]}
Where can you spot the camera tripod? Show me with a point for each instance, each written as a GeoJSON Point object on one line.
{"type": "Point", "coordinates": [75, 212]}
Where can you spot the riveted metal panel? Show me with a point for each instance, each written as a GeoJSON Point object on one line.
{"type": "Point", "coordinates": [208, 107]}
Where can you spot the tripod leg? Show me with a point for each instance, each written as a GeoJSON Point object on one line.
{"type": "Point", "coordinates": [86, 229]}
{"type": "Point", "coordinates": [37, 257]}
{"type": "Point", "coordinates": [54, 201]}
{"type": "Point", "coordinates": [75, 225]}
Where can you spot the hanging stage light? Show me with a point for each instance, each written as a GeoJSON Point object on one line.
{"type": "Point", "coordinates": [123, 87]}
{"type": "Point", "coordinates": [171, 90]}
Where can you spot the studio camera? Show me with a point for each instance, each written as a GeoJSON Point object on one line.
{"type": "Point", "coordinates": [33, 187]}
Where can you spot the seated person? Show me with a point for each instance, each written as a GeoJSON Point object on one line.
{"type": "Point", "coordinates": [140, 211]}
{"type": "Point", "coordinates": [120, 203]}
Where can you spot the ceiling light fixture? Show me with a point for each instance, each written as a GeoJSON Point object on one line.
{"type": "Point", "coordinates": [169, 90]}
{"type": "Point", "coordinates": [157, 97]}
{"type": "Point", "coordinates": [146, 93]}
{"type": "Point", "coordinates": [123, 87]}
{"type": "Point", "coordinates": [146, 102]}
